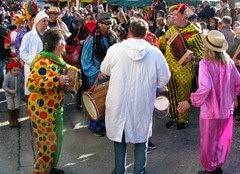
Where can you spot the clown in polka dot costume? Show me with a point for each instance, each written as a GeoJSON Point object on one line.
{"type": "Point", "coordinates": [45, 109]}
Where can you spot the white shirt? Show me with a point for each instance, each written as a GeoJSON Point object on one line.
{"type": "Point", "coordinates": [30, 46]}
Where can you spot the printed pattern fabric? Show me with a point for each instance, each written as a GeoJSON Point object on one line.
{"type": "Point", "coordinates": [45, 109]}
{"type": "Point", "coordinates": [18, 40]}
{"type": "Point", "coordinates": [181, 75]}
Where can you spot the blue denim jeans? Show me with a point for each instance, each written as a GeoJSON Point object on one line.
{"type": "Point", "coordinates": [140, 157]}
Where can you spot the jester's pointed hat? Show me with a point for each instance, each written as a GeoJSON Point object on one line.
{"type": "Point", "coordinates": [30, 9]}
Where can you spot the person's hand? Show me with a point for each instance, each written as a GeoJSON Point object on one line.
{"type": "Point", "coordinates": [164, 88]}
{"type": "Point", "coordinates": [64, 80]}
{"type": "Point", "coordinates": [235, 102]}
{"type": "Point", "coordinates": [81, 42]}
{"type": "Point", "coordinates": [183, 106]}
{"type": "Point", "coordinates": [64, 55]}
{"type": "Point", "coordinates": [13, 91]}
{"type": "Point", "coordinates": [80, 83]}
{"type": "Point", "coordinates": [189, 58]}
{"type": "Point", "coordinates": [22, 63]}
{"type": "Point", "coordinates": [167, 36]}
{"type": "Point", "coordinates": [101, 76]}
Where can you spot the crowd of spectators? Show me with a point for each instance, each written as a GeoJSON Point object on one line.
{"type": "Point", "coordinates": [83, 26]}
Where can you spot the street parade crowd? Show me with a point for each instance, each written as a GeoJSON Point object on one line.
{"type": "Point", "coordinates": [127, 57]}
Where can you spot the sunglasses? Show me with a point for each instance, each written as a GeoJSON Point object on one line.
{"type": "Point", "coordinates": [106, 23]}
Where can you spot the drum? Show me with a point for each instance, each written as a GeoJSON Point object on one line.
{"type": "Point", "coordinates": [161, 105]}
{"type": "Point", "coordinates": [94, 101]}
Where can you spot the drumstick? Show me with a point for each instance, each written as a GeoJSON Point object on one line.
{"type": "Point", "coordinates": [5, 37]}
{"type": "Point", "coordinates": [164, 88]}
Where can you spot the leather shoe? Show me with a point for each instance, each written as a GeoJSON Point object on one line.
{"type": "Point", "coordinates": [170, 124]}
{"type": "Point", "coordinates": [181, 126]}
{"type": "Point", "coordinates": [56, 171]}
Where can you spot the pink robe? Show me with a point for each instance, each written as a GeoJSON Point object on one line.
{"type": "Point", "coordinates": [218, 85]}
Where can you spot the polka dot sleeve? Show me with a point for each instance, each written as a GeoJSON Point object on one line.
{"type": "Point", "coordinates": [43, 76]}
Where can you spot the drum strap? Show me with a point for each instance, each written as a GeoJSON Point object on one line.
{"type": "Point", "coordinates": [186, 35]}
{"type": "Point", "coordinates": [94, 85]}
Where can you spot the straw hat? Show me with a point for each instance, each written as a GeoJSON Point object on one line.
{"type": "Point", "coordinates": [215, 41]}
{"type": "Point", "coordinates": [54, 9]}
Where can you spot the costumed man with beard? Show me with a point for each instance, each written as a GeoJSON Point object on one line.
{"type": "Point", "coordinates": [93, 53]}
{"type": "Point", "coordinates": [180, 84]}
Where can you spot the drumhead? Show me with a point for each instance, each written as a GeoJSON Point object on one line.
{"type": "Point", "coordinates": [161, 103]}
{"type": "Point", "coordinates": [89, 106]}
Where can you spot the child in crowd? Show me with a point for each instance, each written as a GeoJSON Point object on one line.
{"type": "Point", "coordinates": [13, 87]}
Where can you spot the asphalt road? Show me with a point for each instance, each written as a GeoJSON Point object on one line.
{"type": "Point", "coordinates": [82, 153]}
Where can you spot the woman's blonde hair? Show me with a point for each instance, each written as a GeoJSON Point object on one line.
{"type": "Point", "coordinates": [212, 56]}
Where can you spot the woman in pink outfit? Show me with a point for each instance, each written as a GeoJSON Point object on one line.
{"type": "Point", "coordinates": [219, 83]}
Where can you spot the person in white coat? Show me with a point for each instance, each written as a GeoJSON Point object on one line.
{"type": "Point", "coordinates": [32, 44]}
{"type": "Point", "coordinates": [136, 70]}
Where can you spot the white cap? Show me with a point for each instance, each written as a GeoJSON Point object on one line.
{"type": "Point", "coordinates": [40, 16]}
